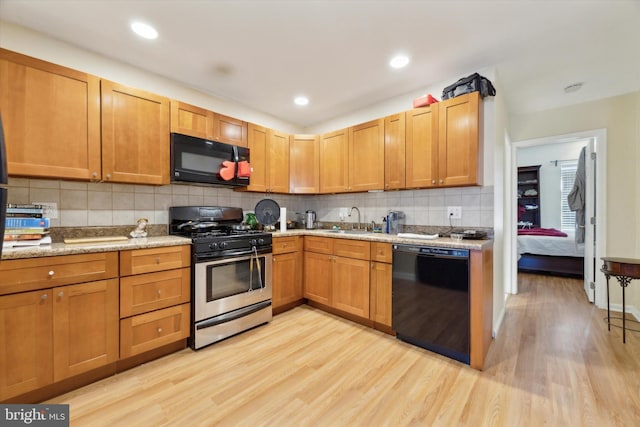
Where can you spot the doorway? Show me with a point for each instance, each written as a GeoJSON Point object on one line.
{"type": "Point", "coordinates": [595, 211]}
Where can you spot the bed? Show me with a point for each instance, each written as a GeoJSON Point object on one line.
{"type": "Point", "coordinates": [556, 255]}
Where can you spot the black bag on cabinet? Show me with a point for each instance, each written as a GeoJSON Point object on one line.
{"type": "Point", "coordinates": [474, 83]}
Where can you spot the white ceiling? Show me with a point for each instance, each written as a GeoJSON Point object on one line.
{"type": "Point", "coordinates": [262, 54]}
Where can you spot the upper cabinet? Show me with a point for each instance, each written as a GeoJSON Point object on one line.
{"type": "Point", "coordinates": [51, 118]}
{"type": "Point", "coordinates": [269, 156]}
{"type": "Point", "coordinates": [135, 135]}
{"type": "Point", "coordinates": [366, 156]}
{"type": "Point", "coordinates": [442, 143]}
{"type": "Point", "coordinates": [304, 164]}
{"type": "Point", "coordinates": [394, 152]}
{"type": "Point", "coordinates": [458, 141]}
{"type": "Point", "coordinates": [230, 130]}
{"type": "Point", "coordinates": [334, 162]}
{"type": "Point", "coordinates": [191, 120]}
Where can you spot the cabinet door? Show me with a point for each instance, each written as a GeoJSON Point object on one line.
{"type": "Point", "coordinates": [135, 135]}
{"type": "Point", "coordinates": [334, 162]}
{"type": "Point", "coordinates": [317, 277]}
{"type": "Point", "coordinates": [46, 106]}
{"type": "Point", "coordinates": [366, 156]}
{"type": "Point", "coordinates": [458, 141]}
{"type": "Point", "coordinates": [258, 157]}
{"type": "Point", "coordinates": [26, 342]}
{"type": "Point", "coordinates": [422, 147]}
{"type": "Point", "coordinates": [394, 152]}
{"type": "Point", "coordinates": [380, 299]}
{"type": "Point", "coordinates": [85, 327]}
{"type": "Point", "coordinates": [278, 162]}
{"type": "Point", "coordinates": [230, 130]}
{"type": "Point", "coordinates": [304, 164]}
{"type": "Point", "coordinates": [287, 278]}
{"type": "Point", "coordinates": [350, 286]}
{"type": "Point", "coordinates": [191, 120]}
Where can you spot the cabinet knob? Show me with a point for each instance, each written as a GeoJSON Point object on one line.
{"type": "Point", "coordinates": [159, 330]}
{"type": "Point", "coordinates": [159, 292]}
{"type": "Point", "coordinates": [274, 260]}
{"type": "Point", "coordinates": [51, 273]}
{"type": "Point", "coordinates": [284, 245]}
{"type": "Point", "coordinates": [95, 174]}
{"type": "Point", "coordinates": [44, 297]}
{"type": "Point", "coordinates": [60, 294]}
{"type": "Point", "coordinates": [158, 260]}
{"type": "Point", "coordinates": [442, 181]}
{"type": "Point", "coordinates": [108, 176]}
{"type": "Point", "coordinates": [433, 181]}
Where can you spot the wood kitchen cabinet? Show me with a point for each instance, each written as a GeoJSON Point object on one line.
{"type": "Point", "coordinates": [380, 298]}
{"type": "Point", "coordinates": [191, 120]}
{"type": "Point", "coordinates": [155, 291]}
{"type": "Point", "coordinates": [229, 130]}
{"type": "Point", "coordinates": [394, 152]}
{"type": "Point", "coordinates": [51, 119]}
{"type": "Point", "coordinates": [422, 147]}
{"type": "Point", "coordinates": [334, 162]}
{"type": "Point", "coordinates": [336, 274]}
{"type": "Point", "coordinates": [135, 135]}
{"type": "Point", "coordinates": [287, 273]}
{"type": "Point", "coordinates": [269, 160]}
{"type": "Point", "coordinates": [58, 319]}
{"type": "Point", "coordinates": [304, 164]}
{"type": "Point", "coordinates": [458, 141]}
{"type": "Point", "coordinates": [85, 327]}
{"type": "Point", "coordinates": [366, 156]}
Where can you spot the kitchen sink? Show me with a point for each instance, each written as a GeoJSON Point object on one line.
{"type": "Point", "coordinates": [350, 231]}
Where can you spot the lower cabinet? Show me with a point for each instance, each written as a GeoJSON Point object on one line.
{"type": "Point", "coordinates": [336, 274]}
{"type": "Point", "coordinates": [287, 273]}
{"type": "Point", "coordinates": [380, 298]}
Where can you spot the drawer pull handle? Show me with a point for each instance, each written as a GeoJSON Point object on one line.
{"type": "Point", "coordinates": [43, 297]}
{"type": "Point", "coordinates": [159, 330]}
{"type": "Point", "coordinates": [60, 294]}
{"type": "Point", "coordinates": [51, 273]}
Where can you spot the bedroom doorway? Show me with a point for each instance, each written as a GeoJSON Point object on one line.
{"type": "Point", "coordinates": [595, 178]}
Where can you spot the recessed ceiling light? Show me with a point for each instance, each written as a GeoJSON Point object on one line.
{"type": "Point", "coordinates": [399, 61]}
{"type": "Point", "coordinates": [573, 87]}
{"type": "Point", "coordinates": [144, 30]}
{"type": "Point", "coordinates": [301, 100]}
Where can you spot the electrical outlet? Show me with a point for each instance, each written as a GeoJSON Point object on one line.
{"type": "Point", "coordinates": [454, 212]}
{"type": "Point", "coordinates": [343, 213]}
{"type": "Point", "coordinates": [50, 209]}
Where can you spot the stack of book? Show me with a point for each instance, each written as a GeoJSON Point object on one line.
{"type": "Point", "coordinates": [26, 226]}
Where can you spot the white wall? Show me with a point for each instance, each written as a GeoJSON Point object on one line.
{"type": "Point", "coordinates": [28, 42]}
{"type": "Point", "coordinates": [544, 155]}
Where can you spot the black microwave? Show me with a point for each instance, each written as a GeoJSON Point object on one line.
{"type": "Point", "coordinates": [208, 162]}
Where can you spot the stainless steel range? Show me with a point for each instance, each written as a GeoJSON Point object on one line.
{"type": "Point", "coordinates": [230, 273]}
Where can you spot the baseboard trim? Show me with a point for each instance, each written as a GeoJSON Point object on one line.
{"type": "Point", "coordinates": [498, 323]}
{"type": "Point", "coordinates": [633, 310]}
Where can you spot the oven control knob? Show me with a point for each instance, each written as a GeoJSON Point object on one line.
{"type": "Point", "coordinates": [213, 246]}
{"type": "Point", "coordinates": [253, 242]}
{"type": "Point", "coordinates": [222, 245]}
{"type": "Point", "coordinates": [261, 241]}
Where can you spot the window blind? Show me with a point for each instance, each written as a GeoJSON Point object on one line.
{"type": "Point", "coordinates": [567, 177]}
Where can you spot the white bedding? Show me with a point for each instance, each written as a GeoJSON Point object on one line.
{"type": "Point", "coordinates": [550, 245]}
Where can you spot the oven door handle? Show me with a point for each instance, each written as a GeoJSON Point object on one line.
{"type": "Point", "coordinates": [257, 261]}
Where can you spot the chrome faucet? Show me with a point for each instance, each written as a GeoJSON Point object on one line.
{"type": "Point", "coordinates": [357, 210]}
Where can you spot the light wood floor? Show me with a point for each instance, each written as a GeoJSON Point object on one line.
{"type": "Point", "coordinates": [554, 363]}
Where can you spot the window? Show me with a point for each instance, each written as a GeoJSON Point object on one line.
{"type": "Point", "coordinates": [567, 176]}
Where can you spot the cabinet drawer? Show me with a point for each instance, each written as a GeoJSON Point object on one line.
{"type": "Point", "coordinates": [21, 275]}
{"type": "Point", "coordinates": [151, 291]}
{"type": "Point", "coordinates": [154, 259]}
{"type": "Point", "coordinates": [381, 252]}
{"type": "Point", "coordinates": [352, 248]}
{"type": "Point", "coordinates": [151, 330]}
{"type": "Point", "coordinates": [323, 245]}
{"type": "Point", "coordinates": [283, 245]}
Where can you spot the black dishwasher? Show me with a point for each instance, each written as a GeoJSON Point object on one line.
{"type": "Point", "coordinates": [430, 299]}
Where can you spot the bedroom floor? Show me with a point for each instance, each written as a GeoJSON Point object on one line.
{"type": "Point", "coordinates": [553, 363]}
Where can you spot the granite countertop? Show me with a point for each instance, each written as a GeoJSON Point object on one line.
{"type": "Point", "coordinates": [83, 248]}
{"type": "Point", "coordinates": [444, 242]}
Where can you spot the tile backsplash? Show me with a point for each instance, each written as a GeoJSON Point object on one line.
{"type": "Point", "coordinates": [82, 204]}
